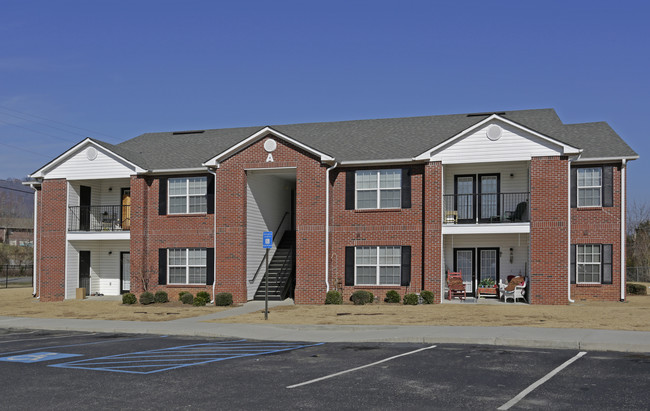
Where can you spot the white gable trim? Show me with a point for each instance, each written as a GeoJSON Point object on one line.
{"type": "Point", "coordinates": [566, 149]}
{"type": "Point", "coordinates": [214, 161]}
{"type": "Point", "coordinates": [42, 172]}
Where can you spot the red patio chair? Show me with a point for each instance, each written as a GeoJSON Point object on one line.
{"type": "Point", "coordinates": [456, 286]}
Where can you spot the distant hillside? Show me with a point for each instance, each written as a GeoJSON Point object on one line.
{"type": "Point", "coordinates": [16, 200]}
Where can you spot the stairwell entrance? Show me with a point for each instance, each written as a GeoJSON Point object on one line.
{"type": "Point", "coordinates": [270, 206]}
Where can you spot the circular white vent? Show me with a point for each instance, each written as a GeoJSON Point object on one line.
{"type": "Point", "coordinates": [493, 132]}
{"type": "Point", "coordinates": [91, 153]}
{"type": "Point", "coordinates": [270, 145]}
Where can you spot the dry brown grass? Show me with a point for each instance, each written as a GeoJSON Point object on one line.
{"type": "Point", "coordinates": [18, 302]}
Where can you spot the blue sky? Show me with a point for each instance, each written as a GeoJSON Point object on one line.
{"type": "Point", "coordinates": [115, 69]}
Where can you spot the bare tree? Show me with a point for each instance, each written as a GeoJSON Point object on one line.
{"type": "Point", "coordinates": [638, 235]}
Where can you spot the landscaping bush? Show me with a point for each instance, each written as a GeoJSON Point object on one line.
{"type": "Point", "coordinates": [427, 297]}
{"type": "Point", "coordinates": [199, 301]}
{"type": "Point", "coordinates": [204, 294]}
{"type": "Point", "coordinates": [362, 297]}
{"type": "Point", "coordinates": [180, 295]}
{"type": "Point", "coordinates": [223, 299]}
{"type": "Point", "coordinates": [334, 297]}
{"type": "Point", "coordinates": [392, 297]}
{"type": "Point", "coordinates": [146, 298]}
{"type": "Point", "coordinates": [129, 298]}
{"type": "Point", "coordinates": [161, 297]}
{"type": "Point", "coordinates": [187, 298]}
{"type": "Point", "coordinates": [411, 299]}
{"type": "Point", "coordinates": [638, 289]}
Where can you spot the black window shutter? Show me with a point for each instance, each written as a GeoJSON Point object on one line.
{"type": "Point", "coordinates": [162, 196]}
{"type": "Point", "coordinates": [349, 190]}
{"type": "Point", "coordinates": [406, 265]}
{"type": "Point", "coordinates": [574, 187]}
{"type": "Point", "coordinates": [406, 188]}
{"type": "Point", "coordinates": [209, 261]}
{"type": "Point", "coordinates": [573, 263]}
{"type": "Point", "coordinates": [607, 264]}
{"type": "Point", "coordinates": [608, 186]}
{"type": "Point", "coordinates": [162, 266]}
{"type": "Point", "coordinates": [210, 194]}
{"type": "Point", "coordinates": [349, 265]}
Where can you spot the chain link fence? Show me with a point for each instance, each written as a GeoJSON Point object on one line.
{"type": "Point", "coordinates": [638, 274]}
{"type": "Point", "coordinates": [14, 276]}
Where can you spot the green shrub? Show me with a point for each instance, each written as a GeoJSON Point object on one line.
{"type": "Point", "coordinates": [392, 297]}
{"type": "Point", "coordinates": [161, 297]}
{"type": "Point", "coordinates": [180, 295]}
{"type": "Point", "coordinates": [411, 299]}
{"type": "Point", "coordinates": [129, 298]}
{"type": "Point", "coordinates": [427, 297]}
{"type": "Point", "coordinates": [199, 301]}
{"type": "Point", "coordinates": [638, 289]}
{"type": "Point", "coordinates": [204, 294]}
{"type": "Point", "coordinates": [362, 297]}
{"type": "Point", "coordinates": [146, 298]}
{"type": "Point", "coordinates": [187, 298]}
{"type": "Point", "coordinates": [334, 297]}
{"type": "Point", "coordinates": [222, 299]}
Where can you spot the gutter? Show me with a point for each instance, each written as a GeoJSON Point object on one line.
{"type": "Point", "coordinates": [327, 226]}
{"type": "Point", "coordinates": [569, 233]}
{"type": "Point", "coordinates": [35, 257]}
{"type": "Point", "coordinates": [623, 205]}
{"type": "Point", "coordinates": [214, 249]}
{"type": "Point", "coordinates": [175, 170]}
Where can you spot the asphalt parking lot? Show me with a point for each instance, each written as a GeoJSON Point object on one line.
{"type": "Point", "coordinates": [72, 370]}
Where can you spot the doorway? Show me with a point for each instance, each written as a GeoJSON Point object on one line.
{"type": "Point", "coordinates": [126, 209]}
{"type": "Point", "coordinates": [125, 272]}
{"type": "Point", "coordinates": [84, 209]}
{"type": "Point", "coordinates": [464, 262]}
{"type": "Point", "coordinates": [84, 270]}
{"type": "Point", "coordinates": [488, 264]}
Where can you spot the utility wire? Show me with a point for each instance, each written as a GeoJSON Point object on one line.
{"type": "Point", "coordinates": [46, 125]}
{"type": "Point", "coordinates": [25, 150]}
{"type": "Point", "coordinates": [14, 189]}
{"type": "Point", "coordinates": [36, 131]}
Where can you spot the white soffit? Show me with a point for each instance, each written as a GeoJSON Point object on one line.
{"type": "Point", "coordinates": [214, 161]}
{"type": "Point", "coordinates": [498, 136]}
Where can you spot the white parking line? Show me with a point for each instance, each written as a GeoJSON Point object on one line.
{"type": "Point", "coordinates": [47, 338]}
{"type": "Point", "coordinates": [539, 382]}
{"type": "Point", "coordinates": [359, 368]}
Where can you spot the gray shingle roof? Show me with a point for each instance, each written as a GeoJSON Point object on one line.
{"type": "Point", "coordinates": [358, 140]}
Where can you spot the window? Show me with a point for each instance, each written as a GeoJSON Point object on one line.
{"type": "Point", "coordinates": [589, 187]}
{"type": "Point", "coordinates": [588, 263]}
{"type": "Point", "coordinates": [188, 195]}
{"type": "Point", "coordinates": [187, 265]}
{"type": "Point", "coordinates": [378, 189]}
{"type": "Point", "coordinates": [378, 265]}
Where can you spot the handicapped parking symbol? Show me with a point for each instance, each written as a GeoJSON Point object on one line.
{"type": "Point", "coordinates": [37, 357]}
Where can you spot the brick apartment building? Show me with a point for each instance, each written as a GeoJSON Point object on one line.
{"type": "Point", "coordinates": [390, 204]}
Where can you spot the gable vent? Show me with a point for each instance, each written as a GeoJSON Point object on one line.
{"type": "Point", "coordinates": [176, 133]}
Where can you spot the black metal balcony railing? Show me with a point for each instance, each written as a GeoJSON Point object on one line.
{"type": "Point", "coordinates": [486, 208]}
{"type": "Point", "coordinates": [99, 218]}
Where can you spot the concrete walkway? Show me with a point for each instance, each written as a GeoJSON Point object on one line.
{"type": "Point", "coordinates": [553, 338]}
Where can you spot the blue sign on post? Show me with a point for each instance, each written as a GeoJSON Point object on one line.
{"type": "Point", "coordinates": [267, 239]}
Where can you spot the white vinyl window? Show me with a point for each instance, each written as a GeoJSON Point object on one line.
{"type": "Point", "coordinates": [378, 189]}
{"type": "Point", "coordinates": [590, 184]}
{"type": "Point", "coordinates": [588, 263]}
{"type": "Point", "coordinates": [187, 195]}
{"type": "Point", "coordinates": [378, 265]}
{"type": "Point", "coordinates": [186, 266]}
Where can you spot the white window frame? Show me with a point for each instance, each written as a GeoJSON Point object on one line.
{"type": "Point", "coordinates": [377, 266]}
{"type": "Point", "coordinates": [599, 187]}
{"type": "Point", "coordinates": [187, 195]}
{"type": "Point", "coordinates": [187, 265]}
{"type": "Point", "coordinates": [591, 263]}
{"type": "Point", "coordinates": [378, 190]}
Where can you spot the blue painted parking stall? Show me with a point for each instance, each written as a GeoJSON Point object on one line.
{"type": "Point", "coordinates": [166, 359]}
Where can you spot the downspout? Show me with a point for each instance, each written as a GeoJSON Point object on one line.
{"type": "Point", "coordinates": [569, 234]}
{"type": "Point", "coordinates": [35, 258]}
{"type": "Point", "coordinates": [623, 262]}
{"type": "Point", "coordinates": [327, 226]}
{"type": "Point", "coordinates": [214, 259]}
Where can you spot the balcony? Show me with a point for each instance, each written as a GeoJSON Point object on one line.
{"type": "Point", "coordinates": [99, 218]}
{"type": "Point", "coordinates": [488, 208]}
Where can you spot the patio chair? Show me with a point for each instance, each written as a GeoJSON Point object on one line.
{"type": "Point", "coordinates": [456, 286]}
{"type": "Point", "coordinates": [518, 214]}
{"type": "Point", "coordinates": [515, 289]}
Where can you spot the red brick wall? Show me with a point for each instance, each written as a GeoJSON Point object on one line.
{"type": "Point", "coordinates": [51, 235]}
{"type": "Point", "coordinates": [432, 189]}
{"type": "Point", "coordinates": [549, 265]}
{"type": "Point", "coordinates": [600, 225]}
{"type": "Point", "coordinates": [390, 227]}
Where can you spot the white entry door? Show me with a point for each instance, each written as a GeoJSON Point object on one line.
{"type": "Point", "coordinates": [125, 272]}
